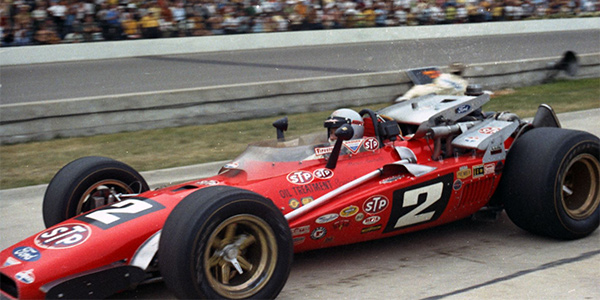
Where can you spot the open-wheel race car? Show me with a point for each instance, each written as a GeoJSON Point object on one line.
{"type": "Point", "coordinates": [419, 163]}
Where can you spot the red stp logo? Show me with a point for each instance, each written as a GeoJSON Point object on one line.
{"type": "Point", "coordinates": [300, 177]}
{"type": "Point", "coordinates": [323, 173]}
{"type": "Point", "coordinates": [65, 236]}
{"type": "Point", "coordinates": [375, 204]}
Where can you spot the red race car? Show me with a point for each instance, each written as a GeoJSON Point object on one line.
{"type": "Point", "coordinates": [410, 166]}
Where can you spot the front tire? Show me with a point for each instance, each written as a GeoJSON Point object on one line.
{"type": "Point", "coordinates": [550, 184]}
{"type": "Point", "coordinates": [225, 242]}
{"type": "Point", "coordinates": [87, 183]}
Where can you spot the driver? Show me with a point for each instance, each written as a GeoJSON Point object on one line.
{"type": "Point", "coordinates": [344, 116]}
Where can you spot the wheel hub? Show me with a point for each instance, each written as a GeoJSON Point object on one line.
{"type": "Point", "coordinates": [580, 197]}
{"type": "Point", "coordinates": [239, 257]}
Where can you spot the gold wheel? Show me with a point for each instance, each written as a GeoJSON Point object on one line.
{"type": "Point", "coordinates": [101, 193]}
{"type": "Point", "coordinates": [240, 256]}
{"type": "Point", "coordinates": [580, 196]}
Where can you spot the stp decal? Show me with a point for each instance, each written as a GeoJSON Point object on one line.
{"type": "Point", "coordinates": [371, 144]}
{"type": "Point", "coordinates": [323, 173]}
{"type": "Point", "coordinates": [63, 236]}
{"type": "Point", "coordinates": [120, 212]}
{"type": "Point", "coordinates": [300, 177]}
{"type": "Point", "coordinates": [375, 204]}
{"type": "Point", "coordinates": [421, 203]}
{"type": "Point", "coordinates": [489, 130]}
{"type": "Point", "coordinates": [27, 253]}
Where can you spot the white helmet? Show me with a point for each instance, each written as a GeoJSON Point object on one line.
{"type": "Point", "coordinates": [346, 116]}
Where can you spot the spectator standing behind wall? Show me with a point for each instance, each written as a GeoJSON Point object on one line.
{"type": "Point", "coordinates": [58, 12]}
{"type": "Point", "coordinates": [150, 26]}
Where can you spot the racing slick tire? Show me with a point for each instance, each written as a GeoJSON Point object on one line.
{"type": "Point", "coordinates": [224, 242]}
{"type": "Point", "coordinates": [87, 183]}
{"type": "Point", "coordinates": [550, 183]}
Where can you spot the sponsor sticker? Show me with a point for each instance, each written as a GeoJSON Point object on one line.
{"type": "Point", "coordinates": [299, 240]}
{"type": "Point", "coordinates": [294, 203]}
{"type": "Point", "coordinates": [326, 218]}
{"type": "Point", "coordinates": [319, 151]}
{"type": "Point", "coordinates": [27, 253]}
{"type": "Point", "coordinates": [25, 276]}
{"type": "Point", "coordinates": [11, 261]}
{"type": "Point", "coordinates": [463, 172]}
{"type": "Point", "coordinates": [457, 184]}
{"type": "Point", "coordinates": [318, 233]}
{"type": "Point", "coordinates": [323, 173]}
{"type": "Point", "coordinates": [375, 204]}
{"type": "Point", "coordinates": [478, 171]}
{"type": "Point", "coordinates": [64, 236]}
{"type": "Point", "coordinates": [489, 169]}
{"type": "Point", "coordinates": [371, 144]}
{"type": "Point", "coordinates": [471, 139]}
{"type": "Point", "coordinates": [300, 177]}
{"type": "Point", "coordinates": [370, 229]}
{"type": "Point", "coordinates": [307, 200]}
{"type": "Point", "coordinates": [232, 165]}
{"type": "Point", "coordinates": [353, 145]}
{"type": "Point", "coordinates": [349, 211]}
{"type": "Point", "coordinates": [300, 230]}
{"type": "Point", "coordinates": [391, 179]}
{"type": "Point", "coordinates": [463, 109]}
{"type": "Point", "coordinates": [207, 182]}
{"type": "Point", "coordinates": [359, 217]}
{"type": "Point", "coordinates": [371, 220]}
{"type": "Point", "coordinates": [489, 130]}
{"type": "Point", "coordinates": [340, 224]}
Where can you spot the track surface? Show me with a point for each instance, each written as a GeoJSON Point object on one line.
{"type": "Point", "coordinates": [463, 260]}
{"type": "Point", "coordinates": [159, 73]}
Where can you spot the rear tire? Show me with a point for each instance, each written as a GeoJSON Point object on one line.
{"type": "Point", "coordinates": [215, 233]}
{"type": "Point", "coordinates": [85, 184]}
{"type": "Point", "coordinates": [550, 184]}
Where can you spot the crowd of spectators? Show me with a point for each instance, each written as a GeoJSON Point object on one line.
{"type": "Point", "coordinates": [39, 22]}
